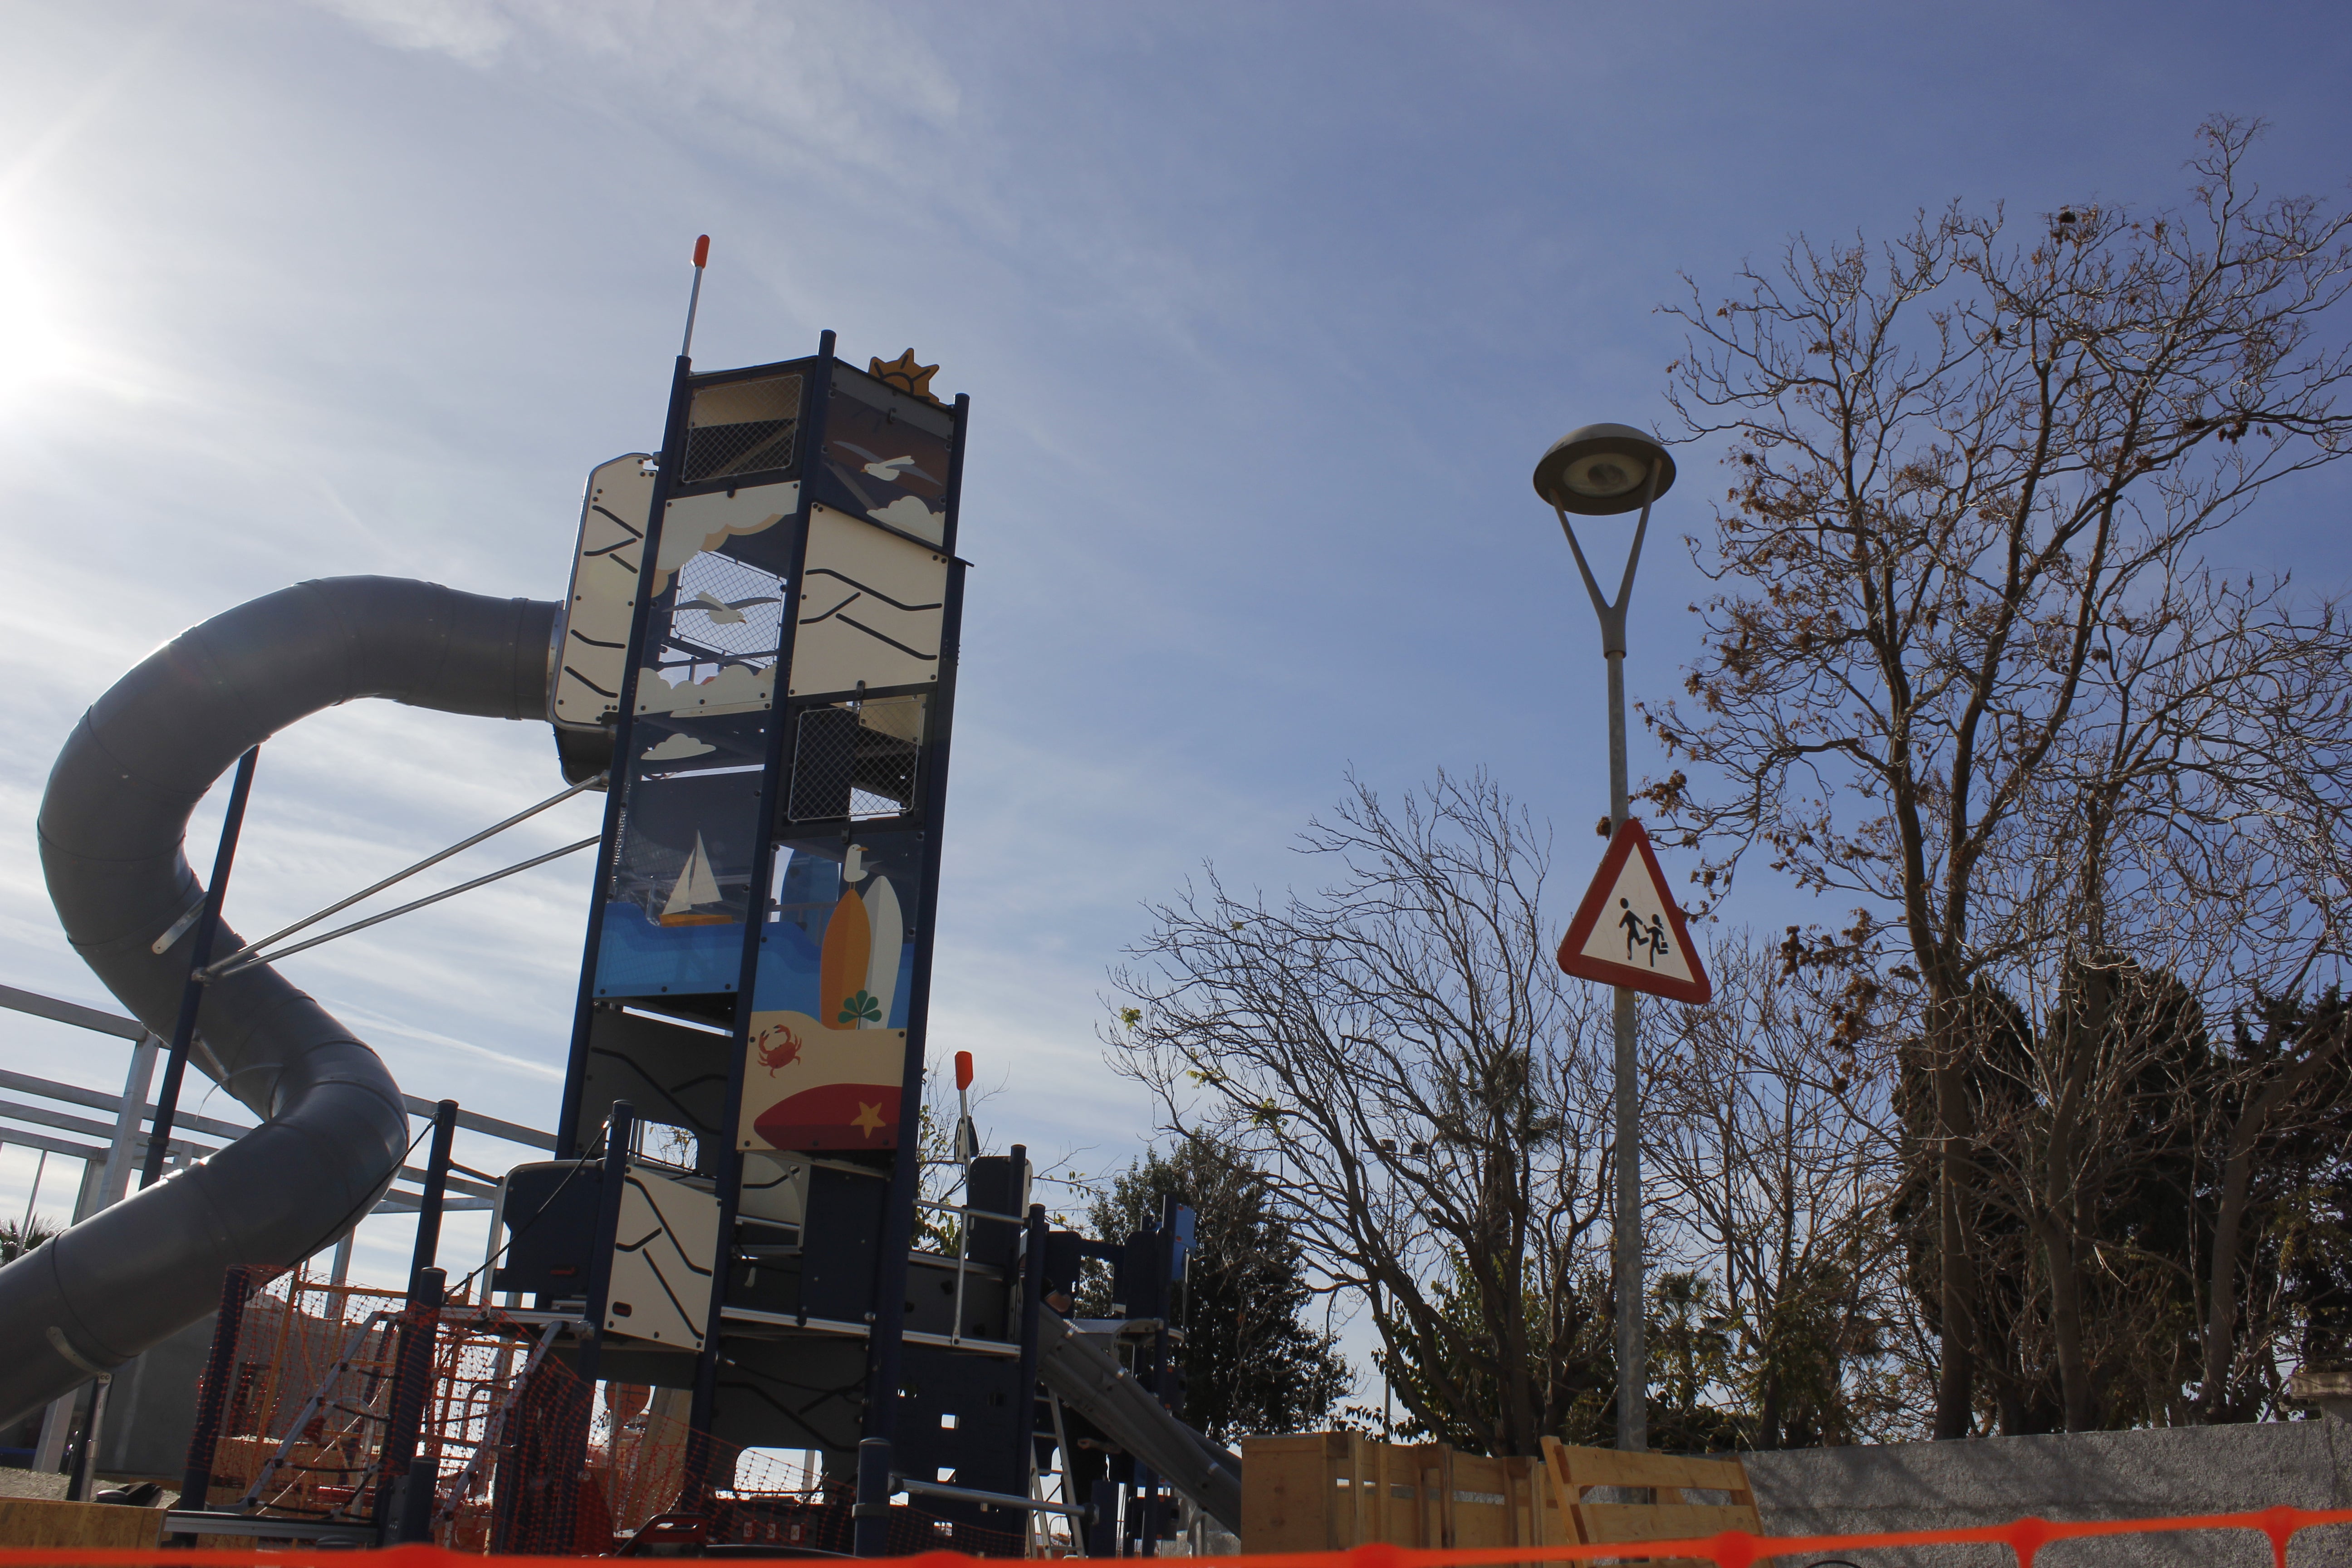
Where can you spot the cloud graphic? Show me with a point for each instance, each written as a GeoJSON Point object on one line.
{"type": "Point", "coordinates": [909, 515]}
{"type": "Point", "coordinates": [677, 747]}
{"type": "Point", "coordinates": [733, 689]}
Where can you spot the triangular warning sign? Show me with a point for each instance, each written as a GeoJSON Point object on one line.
{"type": "Point", "coordinates": [1629, 931]}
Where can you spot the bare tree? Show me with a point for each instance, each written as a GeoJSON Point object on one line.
{"type": "Point", "coordinates": [1400, 1051]}
{"type": "Point", "coordinates": [1962, 466]}
{"type": "Point", "coordinates": [2181, 862]}
{"type": "Point", "coordinates": [1775, 1161]}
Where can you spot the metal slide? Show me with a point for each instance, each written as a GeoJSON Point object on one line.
{"type": "Point", "coordinates": [1090, 1381]}
{"type": "Point", "coordinates": [112, 825]}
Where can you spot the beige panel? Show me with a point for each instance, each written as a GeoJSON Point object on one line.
{"type": "Point", "coordinates": [692, 524]}
{"type": "Point", "coordinates": [662, 1258]}
{"type": "Point", "coordinates": [734, 689]}
{"type": "Point", "coordinates": [775, 1190]}
{"type": "Point", "coordinates": [832, 1088]}
{"type": "Point", "coordinates": [871, 608]}
{"type": "Point", "coordinates": [591, 649]}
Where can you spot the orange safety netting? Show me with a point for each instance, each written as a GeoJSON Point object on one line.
{"type": "Point", "coordinates": [523, 1457]}
{"type": "Point", "coordinates": [2025, 1537]}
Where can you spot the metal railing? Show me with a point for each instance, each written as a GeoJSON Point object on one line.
{"type": "Point", "coordinates": [40, 1114]}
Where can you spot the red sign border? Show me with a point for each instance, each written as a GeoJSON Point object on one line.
{"type": "Point", "coordinates": [1608, 971]}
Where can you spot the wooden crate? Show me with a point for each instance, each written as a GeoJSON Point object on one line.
{"type": "Point", "coordinates": [1572, 1471]}
{"type": "Point", "coordinates": [35, 1522]}
{"type": "Point", "coordinates": [1330, 1490]}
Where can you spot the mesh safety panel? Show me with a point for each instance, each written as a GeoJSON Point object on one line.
{"type": "Point", "coordinates": [742, 428]}
{"type": "Point", "coordinates": [855, 762]}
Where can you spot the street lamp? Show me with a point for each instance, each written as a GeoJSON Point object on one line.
{"type": "Point", "coordinates": [1601, 470]}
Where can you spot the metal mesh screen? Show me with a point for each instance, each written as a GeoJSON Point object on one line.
{"type": "Point", "coordinates": [728, 613]}
{"type": "Point", "coordinates": [856, 761]}
{"type": "Point", "coordinates": [742, 428]}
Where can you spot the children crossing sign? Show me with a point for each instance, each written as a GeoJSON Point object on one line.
{"type": "Point", "coordinates": [1629, 930]}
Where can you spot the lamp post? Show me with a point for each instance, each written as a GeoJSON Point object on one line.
{"type": "Point", "coordinates": [1602, 471]}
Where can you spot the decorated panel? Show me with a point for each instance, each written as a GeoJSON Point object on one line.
{"type": "Point", "coordinates": [829, 1011]}
{"type": "Point", "coordinates": [593, 648]}
{"type": "Point", "coordinates": [872, 609]}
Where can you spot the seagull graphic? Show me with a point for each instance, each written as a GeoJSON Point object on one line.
{"type": "Point", "coordinates": [725, 612]}
{"type": "Point", "coordinates": [892, 469]}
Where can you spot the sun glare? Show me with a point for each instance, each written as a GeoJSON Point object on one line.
{"type": "Point", "coordinates": [38, 350]}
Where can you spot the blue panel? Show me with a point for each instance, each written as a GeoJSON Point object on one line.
{"type": "Point", "coordinates": [808, 889]}
{"type": "Point", "coordinates": [639, 958]}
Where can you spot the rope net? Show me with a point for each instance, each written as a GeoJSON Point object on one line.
{"type": "Point", "coordinates": [521, 1455]}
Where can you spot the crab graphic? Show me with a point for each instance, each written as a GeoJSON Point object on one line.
{"type": "Point", "coordinates": [783, 1053]}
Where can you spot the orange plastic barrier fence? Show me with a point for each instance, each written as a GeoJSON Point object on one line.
{"type": "Point", "coordinates": [1734, 1549]}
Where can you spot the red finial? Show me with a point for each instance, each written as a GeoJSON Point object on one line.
{"type": "Point", "coordinates": [964, 1069]}
{"type": "Point", "coordinates": [703, 251]}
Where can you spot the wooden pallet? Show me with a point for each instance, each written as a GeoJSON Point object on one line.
{"type": "Point", "coordinates": [34, 1521]}
{"type": "Point", "coordinates": [1572, 1471]}
{"type": "Point", "coordinates": [1330, 1490]}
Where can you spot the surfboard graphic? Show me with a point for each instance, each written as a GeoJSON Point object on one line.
{"type": "Point", "coordinates": [843, 1001]}
{"type": "Point", "coordinates": [809, 1085]}
{"type": "Point", "coordinates": [834, 1116]}
{"type": "Point", "coordinates": [889, 940]}
{"type": "Point", "coordinates": [695, 889]}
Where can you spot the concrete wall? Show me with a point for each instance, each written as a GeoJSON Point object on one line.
{"type": "Point", "coordinates": [2099, 1475]}
{"type": "Point", "coordinates": [151, 1408]}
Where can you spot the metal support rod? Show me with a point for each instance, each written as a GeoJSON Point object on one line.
{"type": "Point", "coordinates": [184, 1032]}
{"type": "Point", "coordinates": [307, 921]}
{"type": "Point", "coordinates": [869, 1514]}
{"type": "Point", "coordinates": [249, 958]}
{"type": "Point", "coordinates": [436, 1190]}
{"type": "Point", "coordinates": [917, 1488]}
{"type": "Point", "coordinates": [694, 300]}
{"type": "Point", "coordinates": [195, 1486]}
{"type": "Point", "coordinates": [566, 1458]}
{"type": "Point", "coordinates": [1033, 1306]}
{"type": "Point", "coordinates": [405, 1497]}
{"type": "Point", "coordinates": [1104, 1536]}
{"type": "Point", "coordinates": [114, 1183]}
{"type": "Point", "coordinates": [620, 1129]}
{"type": "Point", "coordinates": [1632, 1292]}
{"type": "Point", "coordinates": [86, 1472]}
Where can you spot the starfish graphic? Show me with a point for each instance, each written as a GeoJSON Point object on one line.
{"type": "Point", "coordinates": [868, 1118]}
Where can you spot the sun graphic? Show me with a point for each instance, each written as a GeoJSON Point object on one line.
{"type": "Point", "coordinates": [904, 374]}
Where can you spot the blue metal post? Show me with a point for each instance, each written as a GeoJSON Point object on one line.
{"type": "Point", "coordinates": [436, 1192]}
{"type": "Point", "coordinates": [404, 1508]}
{"type": "Point", "coordinates": [886, 1341]}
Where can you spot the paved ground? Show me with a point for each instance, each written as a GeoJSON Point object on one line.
{"type": "Point", "coordinates": [30, 1483]}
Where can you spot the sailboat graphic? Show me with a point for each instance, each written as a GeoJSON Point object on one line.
{"type": "Point", "coordinates": [695, 889]}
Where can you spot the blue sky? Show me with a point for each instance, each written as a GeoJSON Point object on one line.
{"type": "Point", "coordinates": [1265, 312]}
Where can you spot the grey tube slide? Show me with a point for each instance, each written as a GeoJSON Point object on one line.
{"type": "Point", "coordinates": [1090, 1381]}
{"type": "Point", "coordinates": [111, 824]}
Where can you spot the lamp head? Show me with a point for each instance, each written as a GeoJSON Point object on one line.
{"type": "Point", "coordinates": [1600, 469]}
